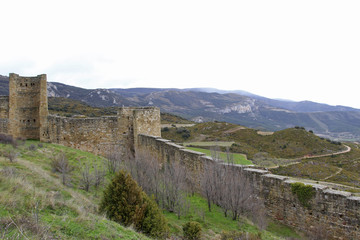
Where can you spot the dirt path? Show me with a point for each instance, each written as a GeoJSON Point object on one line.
{"type": "Point", "coordinates": [234, 129]}
{"type": "Point", "coordinates": [332, 175]}
{"type": "Point", "coordinates": [348, 149]}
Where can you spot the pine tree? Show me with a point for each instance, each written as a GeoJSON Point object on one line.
{"type": "Point", "coordinates": [126, 203]}
{"type": "Point", "coordinates": [122, 199]}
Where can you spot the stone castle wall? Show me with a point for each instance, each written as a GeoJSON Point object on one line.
{"type": "Point", "coordinates": [4, 114]}
{"type": "Point", "coordinates": [336, 211]}
{"type": "Point", "coordinates": [28, 106]}
{"type": "Point", "coordinates": [96, 135]}
{"type": "Point", "coordinates": [102, 135]}
{"type": "Point", "coordinates": [24, 113]}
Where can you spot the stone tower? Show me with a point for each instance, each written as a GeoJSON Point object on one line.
{"type": "Point", "coordinates": [28, 106]}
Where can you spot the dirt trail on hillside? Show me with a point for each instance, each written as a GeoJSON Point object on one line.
{"type": "Point", "coordinates": [234, 129]}
{"type": "Point", "coordinates": [348, 149]}
{"type": "Point", "coordinates": [332, 175]}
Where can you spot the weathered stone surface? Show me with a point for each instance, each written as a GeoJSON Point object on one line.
{"type": "Point", "coordinates": [28, 107]}
{"type": "Point", "coordinates": [25, 114]}
{"type": "Point", "coordinates": [337, 212]}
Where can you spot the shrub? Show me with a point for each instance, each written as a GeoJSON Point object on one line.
{"type": "Point", "coordinates": [6, 139]}
{"type": "Point", "coordinates": [12, 155]}
{"type": "Point", "coordinates": [153, 222]}
{"type": "Point", "coordinates": [192, 230]}
{"type": "Point", "coordinates": [32, 147]}
{"type": "Point", "coordinates": [303, 192]}
{"type": "Point", "coordinates": [61, 164]}
{"type": "Point", "coordinates": [126, 203]}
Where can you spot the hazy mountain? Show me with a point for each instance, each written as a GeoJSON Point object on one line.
{"type": "Point", "coordinates": [200, 104]}
{"type": "Point", "coordinates": [302, 106]}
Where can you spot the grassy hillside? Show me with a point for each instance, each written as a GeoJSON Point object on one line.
{"type": "Point", "coordinates": [35, 204]}
{"type": "Point", "coordinates": [288, 143]}
{"type": "Point", "coordinates": [343, 168]}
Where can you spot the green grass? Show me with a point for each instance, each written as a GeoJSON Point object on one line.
{"type": "Point", "coordinates": [323, 168]}
{"type": "Point", "coordinates": [33, 198]}
{"type": "Point", "coordinates": [209, 144]}
{"type": "Point", "coordinates": [214, 222]}
{"type": "Point", "coordinates": [29, 189]}
{"type": "Point", "coordinates": [237, 158]}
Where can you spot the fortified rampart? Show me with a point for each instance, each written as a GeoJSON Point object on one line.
{"type": "Point", "coordinates": [103, 135]}
{"type": "Point", "coordinates": [336, 211]}
{"type": "Point", "coordinates": [24, 113]}
{"type": "Point", "coordinates": [4, 114]}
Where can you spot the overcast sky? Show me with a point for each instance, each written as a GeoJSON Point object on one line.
{"type": "Point", "coordinates": [298, 50]}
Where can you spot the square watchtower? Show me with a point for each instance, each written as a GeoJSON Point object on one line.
{"type": "Point", "coordinates": [28, 106]}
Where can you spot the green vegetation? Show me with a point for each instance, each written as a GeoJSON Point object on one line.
{"type": "Point", "coordinates": [34, 199]}
{"type": "Point", "coordinates": [214, 223]}
{"type": "Point", "coordinates": [286, 148]}
{"type": "Point", "coordinates": [208, 144]}
{"type": "Point", "coordinates": [303, 192]}
{"type": "Point", "coordinates": [34, 204]}
{"type": "Point", "coordinates": [342, 168]}
{"type": "Point", "coordinates": [192, 230]}
{"type": "Point", "coordinates": [236, 157]}
{"type": "Point", "coordinates": [167, 118]}
{"type": "Point", "coordinates": [125, 203]}
{"type": "Point", "coordinates": [288, 143]}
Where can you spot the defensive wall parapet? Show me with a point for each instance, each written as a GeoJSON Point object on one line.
{"type": "Point", "coordinates": [337, 212]}
{"type": "Point", "coordinates": [24, 114]}
{"type": "Point", "coordinates": [103, 135]}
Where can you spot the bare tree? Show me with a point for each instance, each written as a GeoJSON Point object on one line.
{"type": "Point", "coordinates": [87, 179]}
{"type": "Point", "coordinates": [98, 176]}
{"type": "Point", "coordinates": [12, 155]}
{"type": "Point", "coordinates": [173, 187]}
{"type": "Point", "coordinates": [113, 160]}
{"type": "Point", "coordinates": [215, 153]}
{"type": "Point", "coordinates": [208, 185]}
{"type": "Point", "coordinates": [61, 164]}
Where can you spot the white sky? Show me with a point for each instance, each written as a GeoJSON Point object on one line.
{"type": "Point", "coordinates": [298, 50]}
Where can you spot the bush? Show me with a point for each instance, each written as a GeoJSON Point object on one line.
{"type": "Point", "coordinates": [6, 139]}
{"type": "Point", "coordinates": [152, 223]}
{"type": "Point", "coordinates": [12, 155]}
{"type": "Point", "coordinates": [125, 202]}
{"type": "Point", "coordinates": [192, 230]}
{"type": "Point", "coordinates": [32, 147]}
{"type": "Point", "coordinates": [303, 192]}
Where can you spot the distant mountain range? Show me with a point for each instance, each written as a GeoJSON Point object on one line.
{"type": "Point", "coordinates": [239, 107]}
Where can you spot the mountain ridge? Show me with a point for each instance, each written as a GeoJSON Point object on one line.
{"type": "Point", "coordinates": [336, 122]}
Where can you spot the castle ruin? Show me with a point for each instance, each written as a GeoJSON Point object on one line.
{"type": "Point", "coordinates": [24, 114]}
